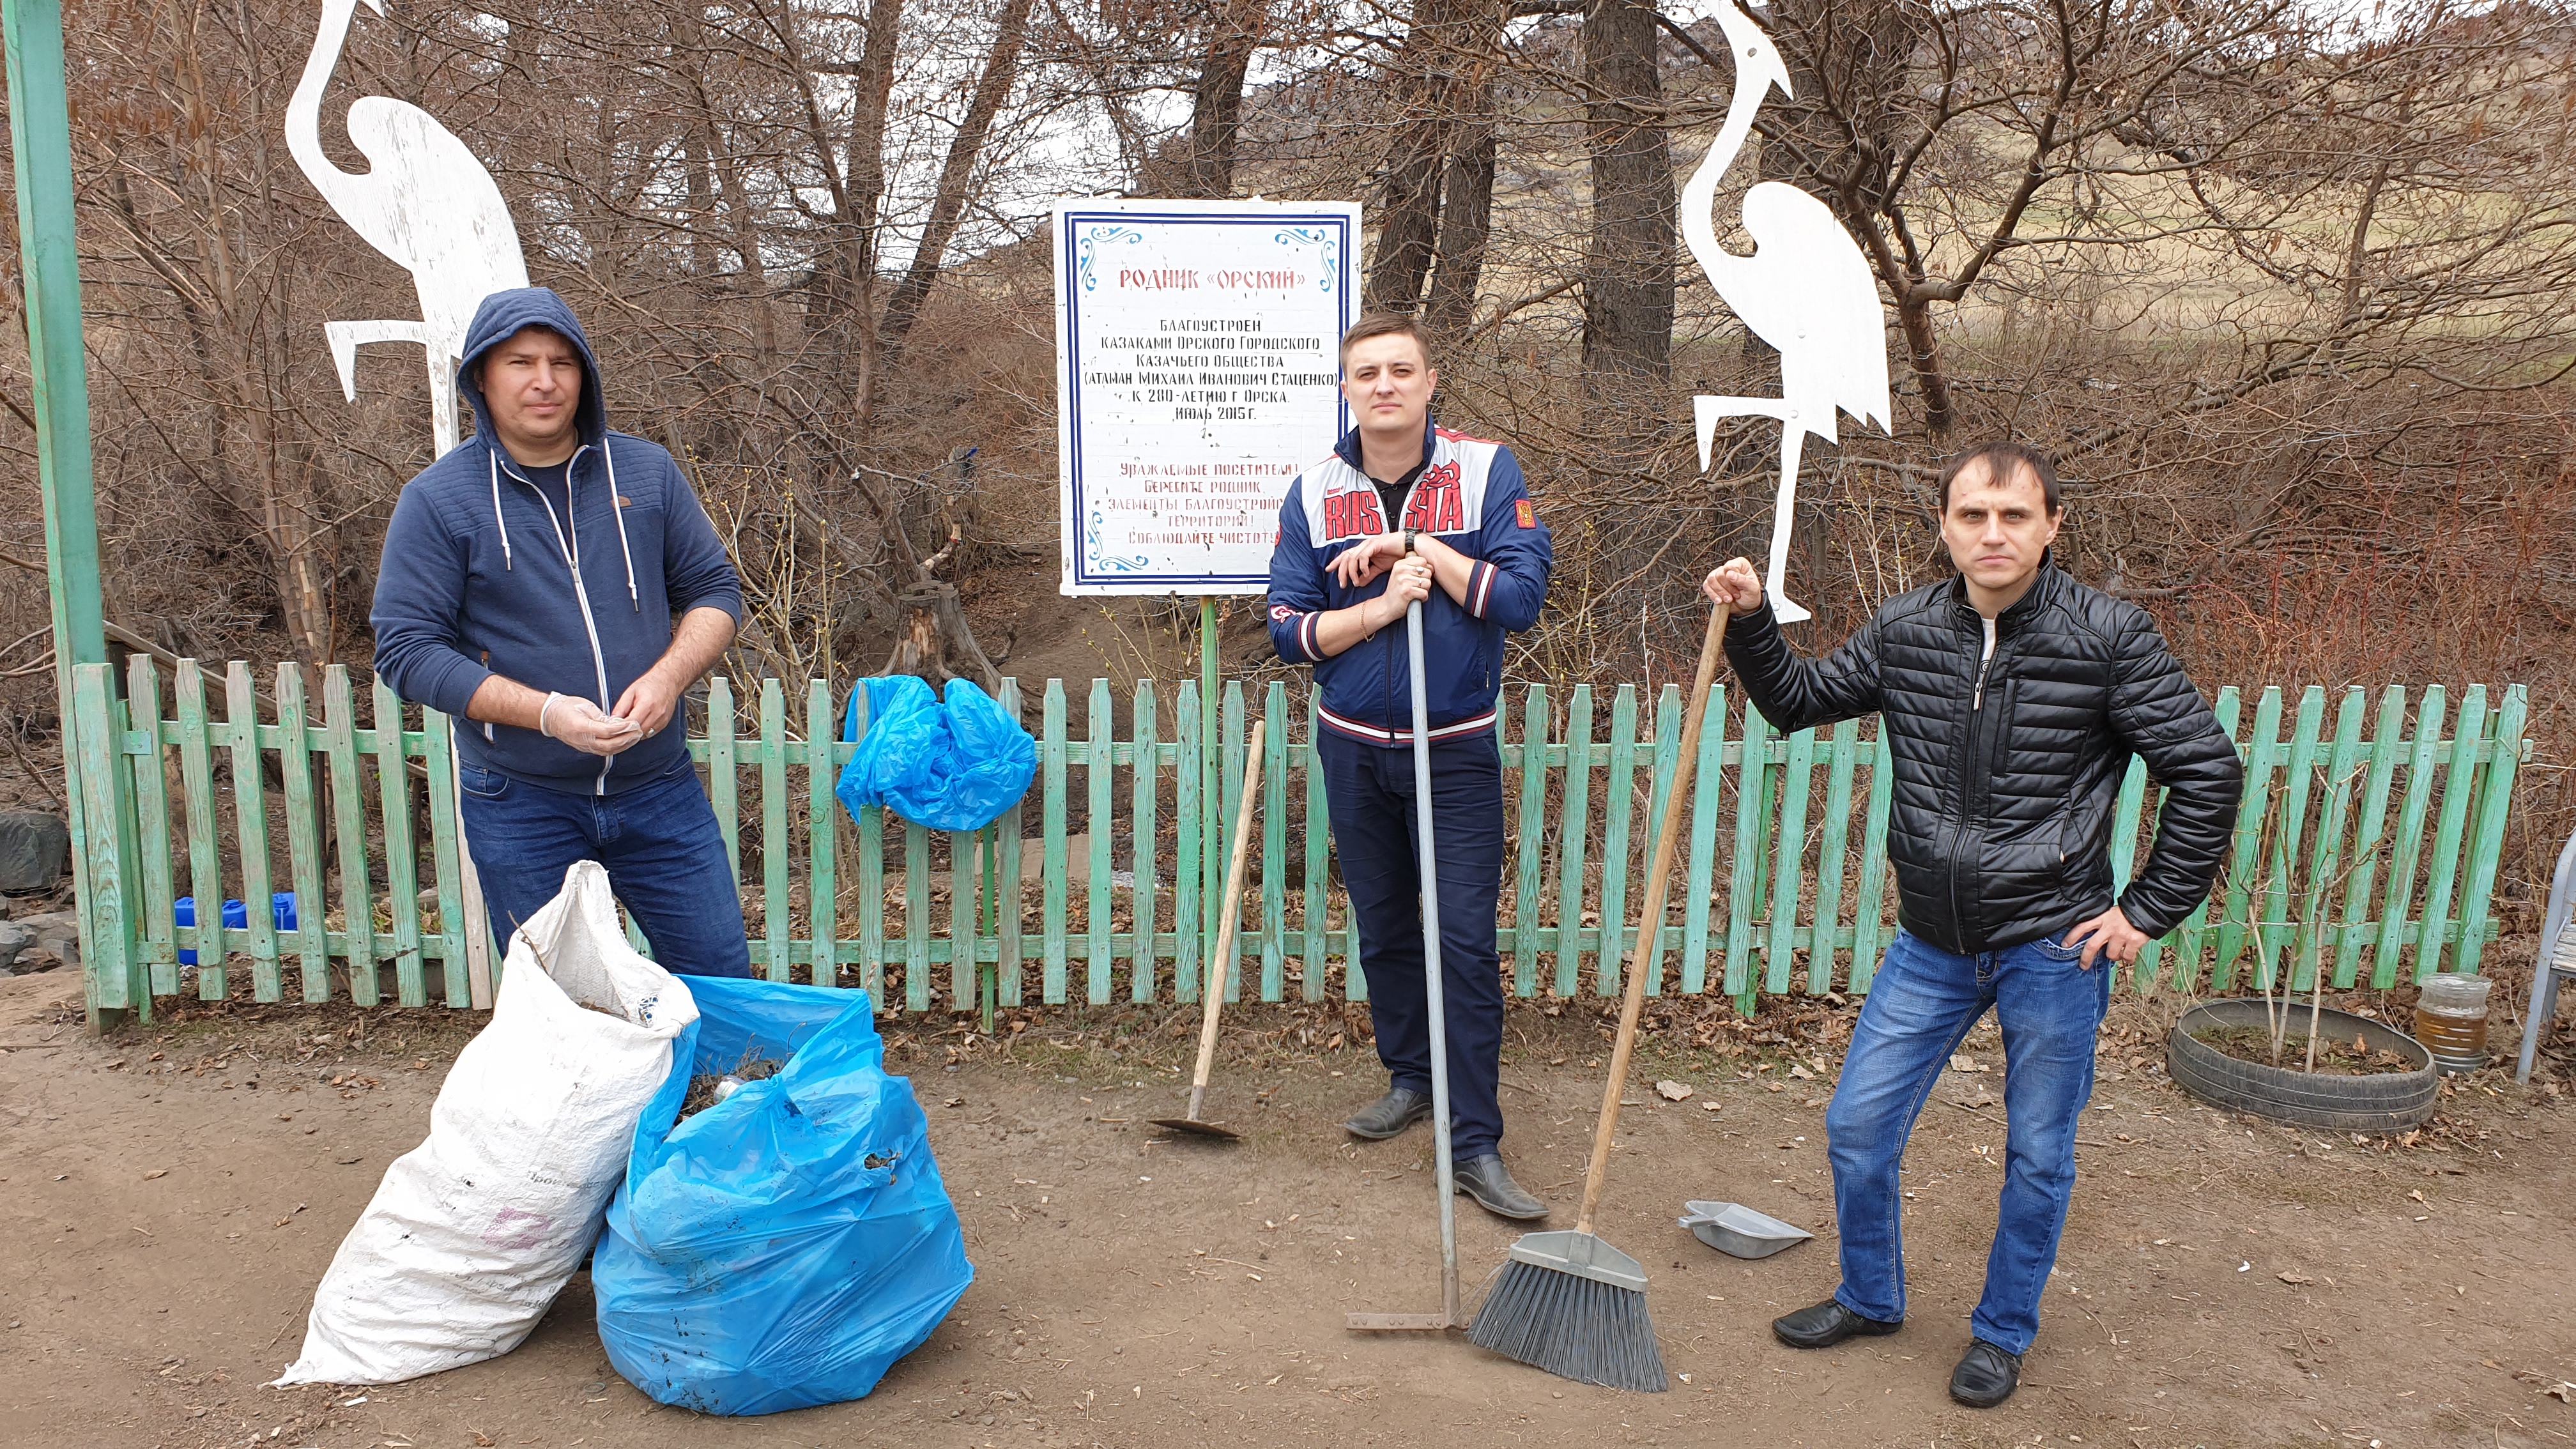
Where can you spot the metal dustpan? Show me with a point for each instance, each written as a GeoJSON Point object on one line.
{"type": "Point", "coordinates": [1740, 1231]}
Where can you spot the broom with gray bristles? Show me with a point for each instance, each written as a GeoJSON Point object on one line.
{"type": "Point", "coordinates": [1568, 1302]}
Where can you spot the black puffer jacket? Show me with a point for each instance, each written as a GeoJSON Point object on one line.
{"type": "Point", "coordinates": [2001, 818]}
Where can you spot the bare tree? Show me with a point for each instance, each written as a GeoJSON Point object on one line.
{"type": "Point", "coordinates": [1001, 68]}
{"type": "Point", "coordinates": [1628, 265]}
{"type": "Point", "coordinates": [1435, 196]}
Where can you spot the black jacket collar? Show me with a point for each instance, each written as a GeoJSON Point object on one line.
{"type": "Point", "coordinates": [2043, 589]}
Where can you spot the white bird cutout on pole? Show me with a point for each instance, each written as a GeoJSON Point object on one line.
{"type": "Point", "coordinates": [1806, 290]}
{"type": "Point", "coordinates": [424, 201]}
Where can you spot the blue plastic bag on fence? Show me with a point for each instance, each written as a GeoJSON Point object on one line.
{"type": "Point", "coordinates": [949, 767]}
{"type": "Point", "coordinates": [783, 1247]}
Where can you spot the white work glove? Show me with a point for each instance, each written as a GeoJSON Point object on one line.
{"type": "Point", "coordinates": [584, 726]}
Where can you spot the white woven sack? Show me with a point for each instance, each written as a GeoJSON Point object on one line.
{"type": "Point", "coordinates": [473, 1233]}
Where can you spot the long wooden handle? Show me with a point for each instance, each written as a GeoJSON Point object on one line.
{"type": "Point", "coordinates": [1648, 954]}
{"type": "Point", "coordinates": [1212, 979]}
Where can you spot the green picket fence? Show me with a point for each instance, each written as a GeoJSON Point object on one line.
{"type": "Point", "coordinates": [2372, 843]}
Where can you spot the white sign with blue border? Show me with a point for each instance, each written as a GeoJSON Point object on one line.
{"type": "Point", "coordinates": [1197, 373]}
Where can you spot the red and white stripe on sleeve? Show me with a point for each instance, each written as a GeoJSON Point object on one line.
{"type": "Point", "coordinates": [1480, 587]}
{"type": "Point", "coordinates": [1301, 630]}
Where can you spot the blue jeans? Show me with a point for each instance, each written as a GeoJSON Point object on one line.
{"type": "Point", "coordinates": [659, 841]}
{"type": "Point", "coordinates": [1919, 1008]}
{"type": "Point", "coordinates": [1369, 790]}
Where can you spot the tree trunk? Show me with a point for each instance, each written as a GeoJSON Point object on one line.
{"type": "Point", "coordinates": [933, 639]}
{"type": "Point", "coordinates": [697, 139]}
{"type": "Point", "coordinates": [1216, 102]}
{"type": "Point", "coordinates": [702, 202]}
{"type": "Point", "coordinates": [1628, 263]}
{"type": "Point", "coordinates": [948, 203]}
{"type": "Point", "coordinates": [865, 177]}
{"type": "Point", "coordinates": [746, 241]}
{"type": "Point", "coordinates": [1408, 211]}
{"type": "Point", "coordinates": [1923, 353]}
{"type": "Point", "coordinates": [1467, 212]}
{"type": "Point", "coordinates": [934, 642]}
{"type": "Point", "coordinates": [858, 177]}
{"type": "Point", "coordinates": [1425, 125]}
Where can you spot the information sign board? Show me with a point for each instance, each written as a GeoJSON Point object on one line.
{"type": "Point", "coordinates": [1197, 372]}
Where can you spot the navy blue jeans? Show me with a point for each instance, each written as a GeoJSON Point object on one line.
{"type": "Point", "coordinates": [1920, 1006]}
{"type": "Point", "coordinates": [659, 841]}
{"type": "Point", "coordinates": [1369, 792]}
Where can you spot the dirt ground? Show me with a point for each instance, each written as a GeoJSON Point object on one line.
{"type": "Point", "coordinates": [174, 1193]}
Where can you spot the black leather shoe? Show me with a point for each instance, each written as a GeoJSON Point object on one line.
{"type": "Point", "coordinates": [1400, 1108]}
{"type": "Point", "coordinates": [1827, 1324]}
{"type": "Point", "coordinates": [1986, 1376]}
{"type": "Point", "coordinates": [1490, 1183]}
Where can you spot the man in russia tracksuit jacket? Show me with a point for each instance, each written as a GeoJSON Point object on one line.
{"type": "Point", "coordinates": [1406, 511]}
{"type": "Point", "coordinates": [558, 586]}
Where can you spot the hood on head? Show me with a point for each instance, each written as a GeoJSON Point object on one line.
{"type": "Point", "coordinates": [504, 315]}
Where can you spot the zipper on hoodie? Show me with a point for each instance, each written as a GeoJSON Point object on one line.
{"type": "Point", "coordinates": [570, 544]}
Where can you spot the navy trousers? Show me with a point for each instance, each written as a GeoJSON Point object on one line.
{"type": "Point", "coordinates": [664, 852]}
{"type": "Point", "coordinates": [1369, 789]}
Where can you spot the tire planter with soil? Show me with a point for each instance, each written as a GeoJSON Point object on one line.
{"type": "Point", "coordinates": [2379, 1102]}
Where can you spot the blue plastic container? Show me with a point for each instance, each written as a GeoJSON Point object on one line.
{"type": "Point", "coordinates": [236, 917]}
{"type": "Point", "coordinates": [785, 1246]}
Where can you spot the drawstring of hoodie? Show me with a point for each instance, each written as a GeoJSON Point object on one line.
{"type": "Point", "coordinates": [572, 546]}
{"type": "Point", "coordinates": [494, 458]}
{"type": "Point", "coordinates": [617, 510]}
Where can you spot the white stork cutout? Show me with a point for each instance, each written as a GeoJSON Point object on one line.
{"type": "Point", "coordinates": [424, 201]}
{"type": "Point", "coordinates": [1806, 290]}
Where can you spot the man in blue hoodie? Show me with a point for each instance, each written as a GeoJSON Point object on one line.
{"type": "Point", "coordinates": [1407, 512]}
{"type": "Point", "coordinates": [497, 604]}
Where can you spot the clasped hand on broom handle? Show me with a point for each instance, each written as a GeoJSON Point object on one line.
{"type": "Point", "coordinates": [1648, 954]}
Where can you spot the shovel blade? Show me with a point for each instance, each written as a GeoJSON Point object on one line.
{"type": "Point", "coordinates": [1198, 1129]}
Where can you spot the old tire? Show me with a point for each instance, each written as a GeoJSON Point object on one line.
{"type": "Point", "coordinates": [2382, 1102]}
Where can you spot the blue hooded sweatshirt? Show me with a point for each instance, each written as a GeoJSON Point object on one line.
{"type": "Point", "coordinates": [480, 577]}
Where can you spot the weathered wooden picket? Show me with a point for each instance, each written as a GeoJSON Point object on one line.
{"type": "Point", "coordinates": [2379, 837]}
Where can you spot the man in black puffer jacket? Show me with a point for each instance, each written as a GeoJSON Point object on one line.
{"type": "Point", "coordinates": [2011, 698]}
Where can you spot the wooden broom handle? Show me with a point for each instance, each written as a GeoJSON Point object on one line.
{"type": "Point", "coordinates": [1648, 954]}
{"type": "Point", "coordinates": [1212, 978]}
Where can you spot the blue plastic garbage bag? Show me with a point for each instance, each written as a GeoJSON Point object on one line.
{"type": "Point", "coordinates": [950, 767]}
{"type": "Point", "coordinates": [784, 1247]}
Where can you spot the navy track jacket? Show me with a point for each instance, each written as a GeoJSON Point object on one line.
{"type": "Point", "coordinates": [481, 578]}
{"type": "Point", "coordinates": [1469, 493]}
